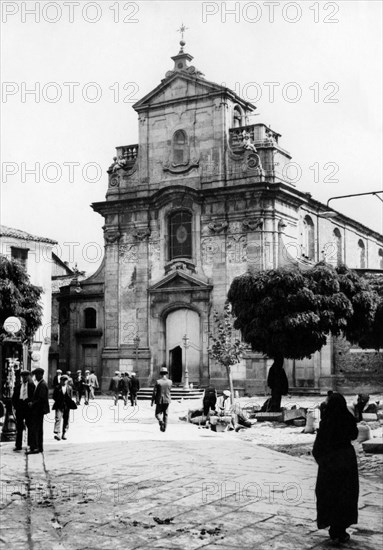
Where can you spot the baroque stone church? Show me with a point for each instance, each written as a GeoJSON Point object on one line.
{"type": "Point", "coordinates": [201, 198]}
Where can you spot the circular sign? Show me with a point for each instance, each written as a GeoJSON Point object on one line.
{"type": "Point", "coordinates": [12, 325]}
{"type": "Point", "coordinates": [181, 234]}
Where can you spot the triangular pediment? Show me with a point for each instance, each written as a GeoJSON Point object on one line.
{"type": "Point", "coordinates": [179, 280]}
{"type": "Point", "coordinates": [181, 85]}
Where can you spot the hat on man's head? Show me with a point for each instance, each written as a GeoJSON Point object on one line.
{"type": "Point", "coordinates": [68, 372]}
{"type": "Point", "coordinates": [227, 393]}
{"type": "Point", "coordinates": [163, 370]}
{"type": "Point", "coordinates": [59, 371]}
{"type": "Point", "coordinates": [87, 371]}
{"type": "Point", "coordinates": [132, 374]}
{"type": "Point", "coordinates": [117, 372]}
{"type": "Point", "coordinates": [78, 372]}
{"type": "Point", "coordinates": [64, 377]}
{"type": "Point", "coordinates": [25, 373]}
{"type": "Point", "coordinates": [38, 370]}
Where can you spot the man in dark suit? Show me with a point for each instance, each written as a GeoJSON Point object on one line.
{"type": "Point", "coordinates": [39, 407]}
{"type": "Point", "coordinates": [124, 387]}
{"type": "Point", "coordinates": [56, 378]}
{"type": "Point", "coordinates": [22, 395]}
{"type": "Point", "coordinates": [134, 388]}
{"type": "Point", "coordinates": [161, 397]}
{"type": "Point", "coordinates": [63, 403]}
{"type": "Point", "coordinates": [78, 386]}
{"type": "Point", "coordinates": [114, 386]}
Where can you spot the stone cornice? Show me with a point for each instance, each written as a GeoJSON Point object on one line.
{"type": "Point", "coordinates": [273, 191]}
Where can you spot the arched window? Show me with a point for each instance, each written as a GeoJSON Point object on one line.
{"type": "Point", "coordinates": [90, 318]}
{"type": "Point", "coordinates": [338, 246]}
{"type": "Point", "coordinates": [380, 253]}
{"type": "Point", "coordinates": [237, 117]}
{"type": "Point", "coordinates": [308, 241]}
{"type": "Point", "coordinates": [180, 235]}
{"type": "Point", "coordinates": [362, 254]}
{"type": "Point", "coordinates": [180, 152]}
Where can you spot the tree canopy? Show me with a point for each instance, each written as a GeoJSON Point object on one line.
{"type": "Point", "coordinates": [289, 313]}
{"type": "Point", "coordinates": [19, 298]}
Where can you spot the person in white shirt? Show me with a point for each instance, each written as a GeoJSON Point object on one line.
{"type": "Point", "coordinates": [223, 405]}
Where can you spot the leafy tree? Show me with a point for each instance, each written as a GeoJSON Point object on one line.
{"type": "Point", "coordinates": [289, 313]}
{"type": "Point", "coordinates": [225, 348]}
{"type": "Point", "coordinates": [366, 295]}
{"type": "Point", "coordinates": [19, 298]}
{"type": "Point", "coordinates": [374, 336]}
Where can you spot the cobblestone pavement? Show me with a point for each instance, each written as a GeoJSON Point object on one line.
{"type": "Point", "coordinates": [118, 482]}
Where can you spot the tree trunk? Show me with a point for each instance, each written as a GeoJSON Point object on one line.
{"type": "Point", "coordinates": [230, 379]}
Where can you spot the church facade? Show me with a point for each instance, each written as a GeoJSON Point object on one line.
{"type": "Point", "coordinates": [201, 198]}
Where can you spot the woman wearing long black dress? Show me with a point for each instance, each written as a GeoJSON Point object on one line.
{"type": "Point", "coordinates": [337, 487]}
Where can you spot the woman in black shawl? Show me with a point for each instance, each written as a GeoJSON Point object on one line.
{"type": "Point", "coordinates": [337, 487]}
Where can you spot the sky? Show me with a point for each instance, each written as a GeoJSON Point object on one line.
{"type": "Point", "coordinates": [72, 70]}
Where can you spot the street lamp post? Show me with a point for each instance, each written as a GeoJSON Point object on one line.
{"type": "Point", "coordinates": [376, 193]}
{"type": "Point", "coordinates": [136, 341]}
{"type": "Point", "coordinates": [329, 214]}
{"type": "Point", "coordinates": [186, 346]}
{"type": "Point", "coordinates": [10, 368]}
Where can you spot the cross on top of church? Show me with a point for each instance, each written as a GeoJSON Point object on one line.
{"type": "Point", "coordinates": [182, 30]}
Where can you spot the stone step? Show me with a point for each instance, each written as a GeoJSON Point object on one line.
{"type": "Point", "coordinates": [177, 393]}
{"type": "Point", "coordinates": [373, 446]}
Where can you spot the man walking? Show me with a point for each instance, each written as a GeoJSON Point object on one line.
{"type": "Point", "coordinates": [78, 386]}
{"type": "Point", "coordinates": [39, 407]}
{"type": "Point", "coordinates": [63, 403]}
{"type": "Point", "coordinates": [86, 386]}
{"type": "Point", "coordinates": [22, 396]}
{"type": "Point", "coordinates": [134, 388]}
{"type": "Point", "coordinates": [114, 386]}
{"type": "Point", "coordinates": [93, 384]}
{"type": "Point", "coordinates": [161, 397]}
{"type": "Point", "coordinates": [125, 387]}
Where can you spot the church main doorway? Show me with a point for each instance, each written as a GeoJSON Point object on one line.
{"type": "Point", "coordinates": [180, 323]}
{"type": "Point", "coordinates": [175, 365]}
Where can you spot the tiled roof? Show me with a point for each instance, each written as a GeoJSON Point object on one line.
{"type": "Point", "coordinates": [18, 234]}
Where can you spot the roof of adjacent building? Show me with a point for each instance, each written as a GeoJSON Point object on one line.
{"type": "Point", "coordinates": [19, 234]}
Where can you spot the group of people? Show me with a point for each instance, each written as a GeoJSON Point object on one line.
{"type": "Point", "coordinates": [82, 385]}
{"type": "Point", "coordinates": [125, 384]}
{"type": "Point", "coordinates": [337, 486]}
{"type": "Point", "coordinates": [30, 402]}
